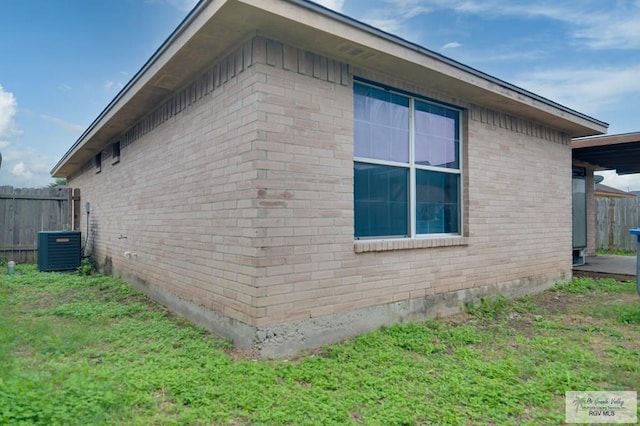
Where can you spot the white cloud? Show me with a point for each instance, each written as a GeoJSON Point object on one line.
{"type": "Point", "coordinates": [394, 15]}
{"type": "Point", "coordinates": [181, 5]}
{"type": "Point", "coordinates": [22, 166]}
{"type": "Point", "coordinates": [72, 127]}
{"type": "Point", "coordinates": [390, 25]}
{"type": "Point", "coordinates": [118, 83]}
{"type": "Point", "coordinates": [8, 107]}
{"type": "Point", "coordinates": [592, 90]}
{"type": "Point", "coordinates": [522, 55]}
{"type": "Point", "coordinates": [612, 31]}
{"type": "Point", "coordinates": [20, 170]}
{"type": "Point", "coordinates": [594, 24]}
{"type": "Point", "coordinates": [451, 45]}
{"type": "Point", "coordinates": [108, 85]}
{"type": "Point", "coordinates": [336, 5]}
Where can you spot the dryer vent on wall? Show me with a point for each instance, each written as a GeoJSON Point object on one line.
{"type": "Point", "coordinates": [59, 250]}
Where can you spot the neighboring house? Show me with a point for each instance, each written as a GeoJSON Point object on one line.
{"type": "Point", "coordinates": [605, 191]}
{"type": "Point", "coordinates": [289, 177]}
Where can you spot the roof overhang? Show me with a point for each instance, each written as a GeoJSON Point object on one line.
{"type": "Point", "coordinates": [612, 152]}
{"type": "Point", "coordinates": [215, 26]}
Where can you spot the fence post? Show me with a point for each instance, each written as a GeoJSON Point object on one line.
{"type": "Point", "coordinates": [636, 232]}
{"type": "Point", "coordinates": [612, 220]}
{"type": "Point", "coordinates": [75, 208]}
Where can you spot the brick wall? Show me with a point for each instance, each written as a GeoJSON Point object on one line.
{"type": "Point", "coordinates": [239, 198]}
{"type": "Point", "coordinates": [517, 209]}
{"type": "Point", "coordinates": [181, 195]}
{"type": "Point", "coordinates": [305, 201]}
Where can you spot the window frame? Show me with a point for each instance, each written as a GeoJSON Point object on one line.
{"type": "Point", "coordinates": [413, 167]}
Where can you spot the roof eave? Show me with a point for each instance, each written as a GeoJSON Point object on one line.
{"type": "Point", "coordinates": [318, 29]}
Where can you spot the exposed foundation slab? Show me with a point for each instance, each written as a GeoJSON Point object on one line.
{"type": "Point", "coordinates": [285, 340]}
{"type": "Point", "coordinates": [288, 339]}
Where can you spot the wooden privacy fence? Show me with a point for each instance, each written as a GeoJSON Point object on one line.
{"type": "Point", "coordinates": [614, 218]}
{"type": "Point", "coordinates": [26, 211]}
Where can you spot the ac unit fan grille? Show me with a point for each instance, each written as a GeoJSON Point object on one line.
{"type": "Point", "coordinates": [59, 250]}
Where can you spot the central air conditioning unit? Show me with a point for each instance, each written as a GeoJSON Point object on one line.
{"type": "Point", "coordinates": [59, 250]}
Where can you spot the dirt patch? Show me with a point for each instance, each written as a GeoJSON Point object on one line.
{"type": "Point", "coordinates": [553, 302]}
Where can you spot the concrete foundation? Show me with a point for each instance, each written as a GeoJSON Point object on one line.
{"type": "Point", "coordinates": [289, 339]}
{"type": "Point", "coordinates": [241, 333]}
{"type": "Point", "coordinates": [285, 340]}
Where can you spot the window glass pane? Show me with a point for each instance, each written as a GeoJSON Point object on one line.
{"type": "Point", "coordinates": [381, 200]}
{"type": "Point", "coordinates": [436, 136]}
{"type": "Point", "coordinates": [362, 138]}
{"type": "Point", "coordinates": [437, 202]}
{"type": "Point", "coordinates": [381, 124]}
{"type": "Point", "coordinates": [382, 131]}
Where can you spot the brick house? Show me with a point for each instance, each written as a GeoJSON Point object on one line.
{"type": "Point", "coordinates": [289, 177]}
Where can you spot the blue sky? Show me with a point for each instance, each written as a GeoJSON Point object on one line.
{"type": "Point", "coordinates": [61, 62]}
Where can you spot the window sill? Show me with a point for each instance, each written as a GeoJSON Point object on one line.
{"type": "Point", "coordinates": [408, 244]}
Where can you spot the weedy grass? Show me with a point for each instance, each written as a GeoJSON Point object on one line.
{"type": "Point", "coordinates": [603, 252]}
{"type": "Point", "coordinates": [89, 350]}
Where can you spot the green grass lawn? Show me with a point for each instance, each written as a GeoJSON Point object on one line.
{"type": "Point", "coordinates": [603, 252]}
{"type": "Point", "coordinates": [78, 350]}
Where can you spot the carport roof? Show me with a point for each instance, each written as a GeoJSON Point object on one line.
{"type": "Point", "coordinates": [610, 152]}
